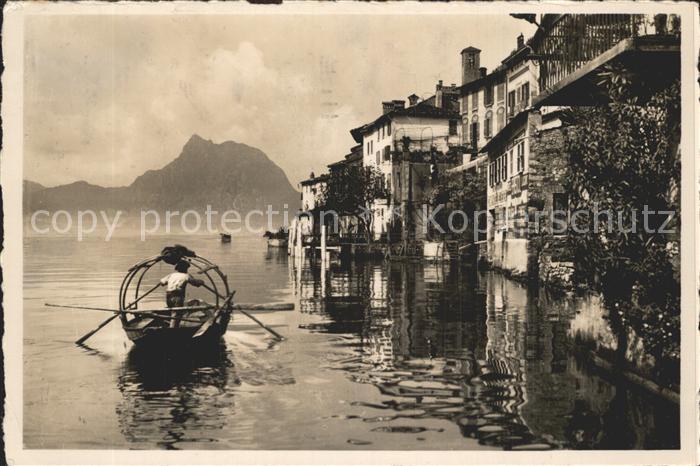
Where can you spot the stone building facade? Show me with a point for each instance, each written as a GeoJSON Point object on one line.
{"type": "Point", "coordinates": [526, 200]}
{"type": "Point", "coordinates": [428, 126]}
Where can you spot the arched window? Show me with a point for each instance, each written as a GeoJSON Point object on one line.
{"type": "Point", "coordinates": [488, 124]}
{"type": "Point", "coordinates": [501, 118]}
{"type": "Point", "coordinates": [465, 131]}
{"type": "Point", "coordinates": [474, 132]}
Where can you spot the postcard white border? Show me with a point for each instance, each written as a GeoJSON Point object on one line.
{"type": "Point", "coordinates": [11, 259]}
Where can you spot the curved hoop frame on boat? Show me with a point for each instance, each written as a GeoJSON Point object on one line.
{"type": "Point", "coordinates": [134, 279]}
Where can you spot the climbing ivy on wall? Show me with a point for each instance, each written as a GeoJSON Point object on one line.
{"type": "Point", "coordinates": [624, 156]}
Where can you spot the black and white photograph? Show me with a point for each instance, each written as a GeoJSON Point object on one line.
{"type": "Point", "coordinates": [356, 230]}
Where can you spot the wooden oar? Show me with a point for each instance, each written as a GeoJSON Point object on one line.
{"type": "Point", "coordinates": [135, 311]}
{"type": "Point", "coordinates": [82, 339]}
{"type": "Point", "coordinates": [277, 335]}
{"type": "Point", "coordinates": [264, 307]}
{"type": "Point", "coordinates": [142, 312]}
{"type": "Point", "coordinates": [205, 326]}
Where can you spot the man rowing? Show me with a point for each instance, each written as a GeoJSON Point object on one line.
{"type": "Point", "coordinates": [176, 285]}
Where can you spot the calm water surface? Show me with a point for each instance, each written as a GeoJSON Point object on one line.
{"type": "Point", "coordinates": [377, 356]}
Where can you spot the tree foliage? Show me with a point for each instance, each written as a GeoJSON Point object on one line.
{"type": "Point", "coordinates": [461, 191]}
{"type": "Point", "coordinates": [623, 157]}
{"type": "Point", "coordinates": [352, 191]}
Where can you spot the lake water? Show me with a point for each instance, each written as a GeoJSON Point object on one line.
{"type": "Point", "coordinates": [377, 356]}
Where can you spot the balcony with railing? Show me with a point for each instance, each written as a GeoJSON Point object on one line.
{"type": "Point", "coordinates": [568, 46]}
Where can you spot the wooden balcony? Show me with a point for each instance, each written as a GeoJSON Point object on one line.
{"type": "Point", "coordinates": [570, 48]}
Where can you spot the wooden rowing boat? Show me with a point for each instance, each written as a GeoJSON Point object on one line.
{"type": "Point", "coordinates": [201, 324]}
{"type": "Point", "coordinates": [150, 331]}
{"type": "Point", "coordinates": [196, 324]}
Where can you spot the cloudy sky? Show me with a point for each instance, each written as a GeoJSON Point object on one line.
{"type": "Point", "coordinates": [109, 97]}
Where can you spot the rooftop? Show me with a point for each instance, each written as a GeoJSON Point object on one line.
{"type": "Point", "coordinates": [494, 75]}
{"type": "Point", "coordinates": [314, 180]}
{"type": "Point", "coordinates": [470, 49]}
{"type": "Point", "coordinates": [419, 110]}
{"type": "Point", "coordinates": [518, 54]}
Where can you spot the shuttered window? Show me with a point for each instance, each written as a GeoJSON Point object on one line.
{"type": "Point", "coordinates": [488, 95]}
{"type": "Point", "coordinates": [521, 156]}
{"type": "Point", "coordinates": [525, 95]}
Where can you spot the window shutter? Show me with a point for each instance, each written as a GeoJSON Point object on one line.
{"type": "Point", "coordinates": [526, 93]}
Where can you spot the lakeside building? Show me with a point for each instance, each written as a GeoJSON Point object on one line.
{"type": "Point", "coordinates": [427, 127]}
{"type": "Point", "coordinates": [506, 158]}
{"type": "Point", "coordinates": [526, 160]}
{"type": "Point", "coordinates": [348, 227]}
{"type": "Point", "coordinates": [506, 126]}
{"type": "Point", "coordinates": [488, 101]}
{"type": "Point", "coordinates": [311, 199]}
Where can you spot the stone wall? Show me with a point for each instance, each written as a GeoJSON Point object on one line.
{"type": "Point", "coordinates": [551, 258]}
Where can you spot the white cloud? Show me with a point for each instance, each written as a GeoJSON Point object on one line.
{"type": "Point", "coordinates": [107, 98]}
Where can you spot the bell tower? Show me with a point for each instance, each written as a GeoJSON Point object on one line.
{"type": "Point", "coordinates": [470, 64]}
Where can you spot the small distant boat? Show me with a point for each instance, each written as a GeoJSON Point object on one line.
{"type": "Point", "coordinates": [277, 243]}
{"type": "Point", "coordinates": [225, 237]}
{"type": "Point", "coordinates": [277, 239]}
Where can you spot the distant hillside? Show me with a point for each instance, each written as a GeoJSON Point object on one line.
{"type": "Point", "coordinates": [30, 187]}
{"type": "Point", "coordinates": [226, 176]}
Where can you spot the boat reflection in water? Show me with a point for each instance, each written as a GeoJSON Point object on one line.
{"type": "Point", "coordinates": [479, 350]}
{"type": "Point", "coordinates": [175, 400]}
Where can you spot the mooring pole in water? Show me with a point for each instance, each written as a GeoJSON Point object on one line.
{"type": "Point", "coordinates": [298, 236]}
{"type": "Point", "coordinates": [290, 237]}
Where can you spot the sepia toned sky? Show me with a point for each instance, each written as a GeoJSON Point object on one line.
{"type": "Point", "coordinates": [109, 97]}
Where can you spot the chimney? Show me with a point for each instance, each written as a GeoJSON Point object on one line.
{"type": "Point", "coordinates": [521, 41]}
{"type": "Point", "coordinates": [412, 100]}
{"type": "Point", "coordinates": [387, 107]}
{"type": "Point", "coordinates": [398, 104]}
{"type": "Point", "coordinates": [482, 72]}
{"type": "Point", "coordinates": [438, 94]}
{"type": "Point", "coordinates": [470, 64]}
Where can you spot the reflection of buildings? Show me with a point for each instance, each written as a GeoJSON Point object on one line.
{"type": "Point", "coordinates": [527, 343]}
{"type": "Point", "coordinates": [530, 340]}
{"type": "Point", "coordinates": [277, 255]}
{"type": "Point", "coordinates": [495, 357]}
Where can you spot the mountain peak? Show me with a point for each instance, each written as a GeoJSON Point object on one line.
{"type": "Point", "coordinates": [226, 175]}
{"type": "Point", "coordinates": [196, 140]}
